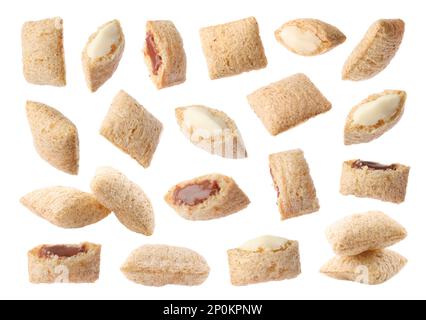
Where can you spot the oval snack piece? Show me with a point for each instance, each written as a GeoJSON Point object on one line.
{"type": "Point", "coordinates": [102, 54]}
{"type": "Point", "coordinates": [309, 37]}
{"type": "Point", "coordinates": [64, 263]}
{"type": "Point", "coordinates": [65, 207]}
{"type": "Point", "coordinates": [375, 51]}
{"type": "Point", "coordinates": [160, 265]}
{"type": "Point", "coordinates": [208, 197]}
{"type": "Point", "coordinates": [267, 258]}
{"type": "Point", "coordinates": [362, 232]}
{"type": "Point", "coordinates": [43, 52]}
{"type": "Point", "coordinates": [374, 116]}
{"type": "Point", "coordinates": [164, 54]}
{"type": "Point", "coordinates": [211, 130]}
{"type": "Point", "coordinates": [126, 199]}
{"type": "Point", "coordinates": [366, 179]}
{"type": "Point", "coordinates": [55, 137]}
{"type": "Point", "coordinates": [370, 268]}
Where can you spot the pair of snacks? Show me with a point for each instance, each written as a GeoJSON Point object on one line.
{"type": "Point", "coordinates": [65, 207]}
{"type": "Point", "coordinates": [64, 263]}
{"type": "Point", "coordinates": [374, 180]}
{"type": "Point", "coordinates": [374, 116]}
{"type": "Point", "coordinates": [164, 54]}
{"type": "Point", "coordinates": [267, 258]}
{"type": "Point", "coordinates": [55, 137]}
{"type": "Point", "coordinates": [359, 242]}
{"type": "Point", "coordinates": [160, 265]}
{"type": "Point", "coordinates": [207, 197]}
{"type": "Point", "coordinates": [43, 52]}
{"type": "Point", "coordinates": [294, 185]}
{"type": "Point", "coordinates": [211, 130]}
{"type": "Point", "coordinates": [126, 199]}
{"type": "Point", "coordinates": [102, 54]}
{"type": "Point", "coordinates": [233, 48]}
{"type": "Point", "coordinates": [309, 37]}
{"type": "Point", "coordinates": [132, 128]}
{"type": "Point", "coordinates": [375, 51]}
{"type": "Point", "coordinates": [287, 103]}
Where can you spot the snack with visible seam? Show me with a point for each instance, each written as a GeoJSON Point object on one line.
{"type": "Point", "coordinates": [64, 263]}
{"type": "Point", "coordinates": [366, 179]}
{"type": "Point", "coordinates": [267, 258]}
{"type": "Point", "coordinates": [164, 54]}
{"type": "Point", "coordinates": [294, 185]}
{"type": "Point", "coordinates": [102, 54]}
{"type": "Point", "coordinates": [309, 37]}
{"type": "Point", "coordinates": [211, 130]}
{"type": "Point", "coordinates": [208, 197]}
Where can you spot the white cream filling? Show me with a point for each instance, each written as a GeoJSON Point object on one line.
{"type": "Point", "coordinates": [301, 41]}
{"type": "Point", "coordinates": [202, 122]}
{"type": "Point", "coordinates": [268, 243]}
{"type": "Point", "coordinates": [102, 44]}
{"type": "Point", "coordinates": [372, 112]}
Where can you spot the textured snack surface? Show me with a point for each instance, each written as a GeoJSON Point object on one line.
{"type": "Point", "coordinates": [160, 265]}
{"type": "Point", "coordinates": [233, 48]}
{"type": "Point", "coordinates": [43, 52]}
{"type": "Point", "coordinates": [362, 232]}
{"type": "Point", "coordinates": [131, 128]}
{"type": "Point", "coordinates": [126, 199]}
{"type": "Point", "coordinates": [285, 104]}
{"type": "Point", "coordinates": [294, 185]}
{"type": "Point", "coordinates": [375, 51]}
{"type": "Point", "coordinates": [370, 268]}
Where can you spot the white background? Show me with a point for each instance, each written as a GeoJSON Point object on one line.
{"type": "Point", "coordinates": [176, 159]}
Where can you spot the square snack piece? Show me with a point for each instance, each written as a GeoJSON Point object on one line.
{"type": "Point", "coordinates": [43, 52]}
{"type": "Point", "coordinates": [287, 103]}
{"type": "Point", "coordinates": [367, 179]}
{"type": "Point", "coordinates": [131, 128]}
{"type": "Point", "coordinates": [267, 258]}
{"type": "Point", "coordinates": [233, 48]}
{"type": "Point", "coordinates": [296, 190]}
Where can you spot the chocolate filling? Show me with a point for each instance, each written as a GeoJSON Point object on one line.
{"type": "Point", "coordinates": [196, 193]}
{"type": "Point", "coordinates": [61, 251]}
{"type": "Point", "coordinates": [152, 53]}
{"type": "Point", "coordinates": [359, 164]}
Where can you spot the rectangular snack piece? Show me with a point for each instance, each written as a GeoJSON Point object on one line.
{"type": "Point", "coordinates": [363, 232]}
{"type": "Point", "coordinates": [287, 103]}
{"type": "Point", "coordinates": [64, 263]}
{"type": "Point", "coordinates": [43, 52]}
{"type": "Point", "coordinates": [132, 128]}
{"type": "Point", "coordinates": [267, 258]}
{"type": "Point", "coordinates": [369, 268]}
{"type": "Point", "coordinates": [233, 48]}
{"type": "Point", "coordinates": [293, 182]}
{"type": "Point", "coordinates": [367, 179]}
{"type": "Point", "coordinates": [164, 54]}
